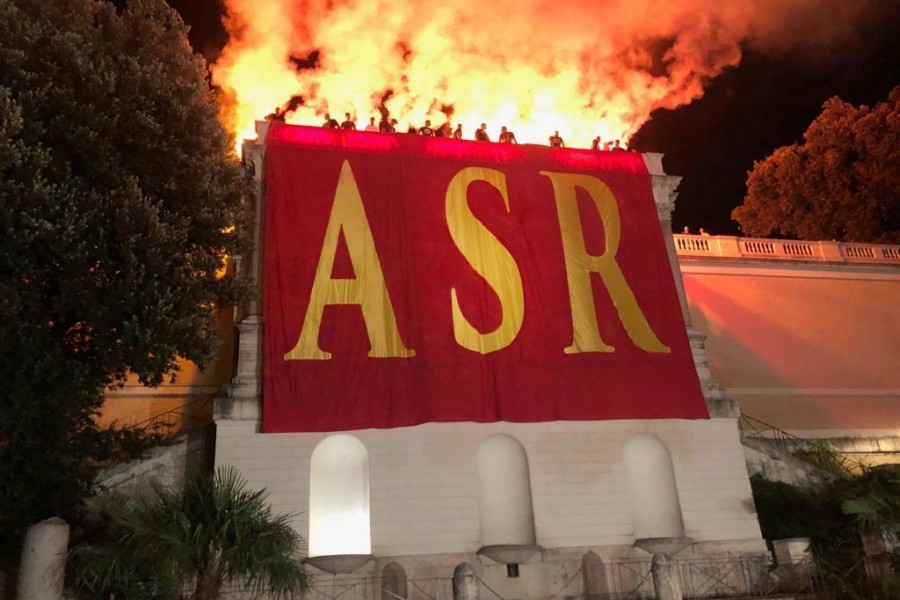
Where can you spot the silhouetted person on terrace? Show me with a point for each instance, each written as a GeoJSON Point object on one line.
{"type": "Point", "coordinates": [277, 116]}
{"type": "Point", "coordinates": [386, 126]}
{"type": "Point", "coordinates": [329, 122]}
{"type": "Point", "coordinates": [348, 123]}
{"type": "Point", "coordinates": [457, 133]}
{"type": "Point", "coordinates": [412, 129]}
{"type": "Point", "coordinates": [595, 143]}
{"type": "Point", "coordinates": [481, 134]}
{"type": "Point", "coordinates": [507, 137]}
{"type": "Point", "coordinates": [556, 141]}
{"type": "Point", "coordinates": [427, 130]}
{"type": "Point", "coordinates": [618, 146]}
{"type": "Point", "coordinates": [607, 146]}
{"type": "Point", "coordinates": [371, 126]}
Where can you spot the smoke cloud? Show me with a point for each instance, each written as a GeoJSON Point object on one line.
{"type": "Point", "coordinates": [582, 67]}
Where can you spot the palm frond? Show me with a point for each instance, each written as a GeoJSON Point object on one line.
{"type": "Point", "coordinates": [214, 525]}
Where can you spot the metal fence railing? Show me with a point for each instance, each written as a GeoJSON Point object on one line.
{"type": "Point", "coordinates": [191, 415]}
{"type": "Point", "coordinates": [782, 440]}
{"type": "Point", "coordinates": [819, 453]}
{"type": "Point", "coordinates": [726, 577]}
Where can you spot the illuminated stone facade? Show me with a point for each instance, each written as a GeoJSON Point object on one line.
{"type": "Point", "coordinates": [534, 510]}
{"type": "Point", "coordinates": [804, 335]}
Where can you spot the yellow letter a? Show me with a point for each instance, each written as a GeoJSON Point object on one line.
{"type": "Point", "coordinates": [580, 265]}
{"type": "Point", "coordinates": [368, 289]}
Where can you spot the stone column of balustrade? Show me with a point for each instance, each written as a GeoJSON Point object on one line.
{"type": "Point", "coordinates": [665, 578]}
{"type": "Point", "coordinates": [665, 193]}
{"type": "Point", "coordinates": [43, 567]}
{"type": "Point", "coordinates": [241, 400]}
{"type": "Point", "coordinates": [465, 582]}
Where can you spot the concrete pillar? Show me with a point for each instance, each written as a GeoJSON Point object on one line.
{"type": "Point", "coordinates": [669, 239]}
{"type": "Point", "coordinates": [665, 578]}
{"type": "Point", "coordinates": [241, 400]}
{"type": "Point", "coordinates": [877, 550]}
{"type": "Point", "coordinates": [664, 194]}
{"type": "Point", "coordinates": [43, 566]}
{"type": "Point", "coordinates": [255, 153]}
{"type": "Point", "coordinates": [465, 582]}
{"type": "Point", "coordinates": [792, 551]}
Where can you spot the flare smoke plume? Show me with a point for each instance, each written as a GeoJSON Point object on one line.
{"type": "Point", "coordinates": [583, 67]}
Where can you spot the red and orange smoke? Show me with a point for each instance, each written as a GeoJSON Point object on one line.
{"type": "Point", "coordinates": [583, 67]}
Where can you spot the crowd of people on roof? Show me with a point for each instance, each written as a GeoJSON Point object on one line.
{"type": "Point", "coordinates": [446, 130]}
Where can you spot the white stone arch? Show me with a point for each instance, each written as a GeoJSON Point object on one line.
{"type": "Point", "coordinates": [596, 586]}
{"type": "Point", "coordinates": [505, 510]}
{"type": "Point", "coordinates": [393, 582]}
{"type": "Point", "coordinates": [339, 521]}
{"type": "Point", "coordinates": [655, 507]}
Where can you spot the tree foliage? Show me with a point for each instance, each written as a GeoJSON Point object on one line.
{"type": "Point", "coordinates": [876, 503]}
{"type": "Point", "coordinates": [788, 511]}
{"type": "Point", "coordinates": [119, 191]}
{"type": "Point", "coordinates": [211, 533]}
{"type": "Point", "coordinates": [842, 182]}
{"type": "Point", "coordinates": [833, 516]}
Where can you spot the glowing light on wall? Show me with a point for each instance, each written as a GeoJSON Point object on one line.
{"type": "Point", "coordinates": [339, 520]}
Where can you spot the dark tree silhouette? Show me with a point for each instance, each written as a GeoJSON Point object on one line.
{"type": "Point", "coordinates": [842, 182]}
{"type": "Point", "coordinates": [119, 191]}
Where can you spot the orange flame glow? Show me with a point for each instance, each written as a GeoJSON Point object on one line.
{"type": "Point", "coordinates": [582, 67]}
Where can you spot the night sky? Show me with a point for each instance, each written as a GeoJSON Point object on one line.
{"type": "Point", "coordinates": [746, 113]}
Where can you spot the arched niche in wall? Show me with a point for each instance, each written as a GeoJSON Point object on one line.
{"type": "Point", "coordinates": [596, 586]}
{"type": "Point", "coordinates": [655, 508]}
{"type": "Point", "coordinates": [393, 582]}
{"type": "Point", "coordinates": [505, 510]}
{"type": "Point", "coordinates": [339, 522]}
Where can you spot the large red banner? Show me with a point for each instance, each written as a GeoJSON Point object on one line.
{"type": "Point", "coordinates": [410, 279]}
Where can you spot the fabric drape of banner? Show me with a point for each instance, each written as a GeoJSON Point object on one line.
{"type": "Point", "coordinates": [410, 280]}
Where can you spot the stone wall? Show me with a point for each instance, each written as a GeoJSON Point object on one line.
{"type": "Point", "coordinates": [774, 465]}
{"type": "Point", "coordinates": [808, 348]}
{"type": "Point", "coordinates": [424, 494]}
{"type": "Point", "coordinates": [166, 464]}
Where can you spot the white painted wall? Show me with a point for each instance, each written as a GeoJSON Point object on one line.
{"type": "Point", "coordinates": [424, 492]}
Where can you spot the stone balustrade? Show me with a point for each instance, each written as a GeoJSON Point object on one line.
{"type": "Point", "coordinates": [725, 246]}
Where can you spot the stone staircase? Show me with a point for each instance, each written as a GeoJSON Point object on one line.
{"type": "Point", "coordinates": [188, 446]}
{"type": "Point", "coordinates": [774, 454]}
{"type": "Point", "coordinates": [168, 464]}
